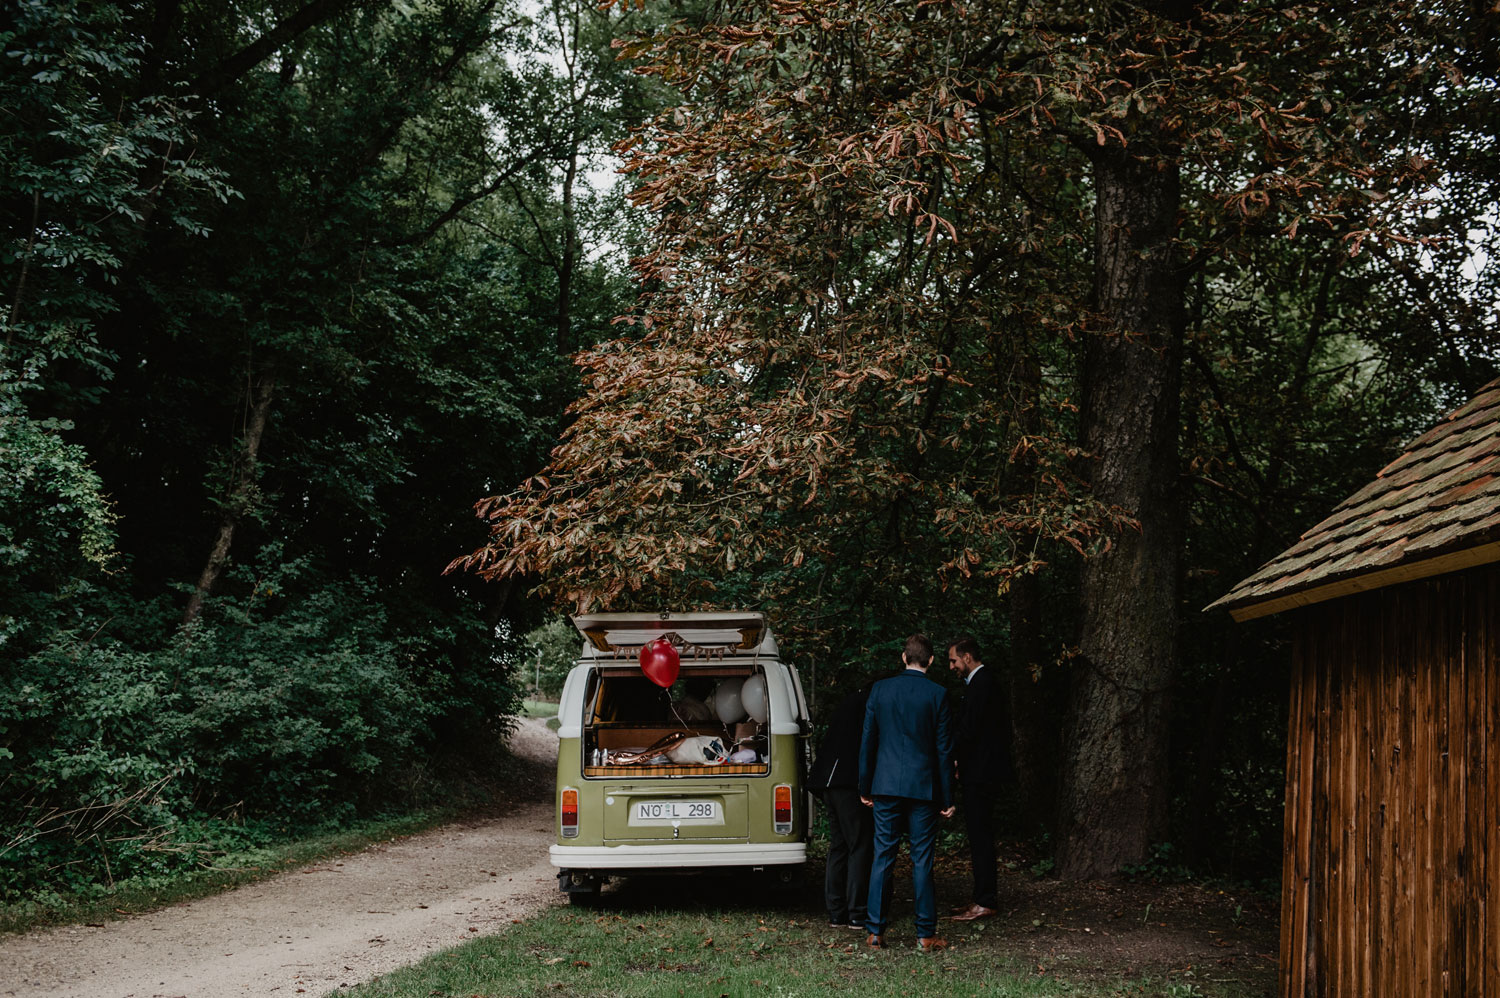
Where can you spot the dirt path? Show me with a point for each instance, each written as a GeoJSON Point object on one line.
{"type": "Point", "coordinates": [311, 930]}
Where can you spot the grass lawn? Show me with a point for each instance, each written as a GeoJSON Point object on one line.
{"type": "Point", "coordinates": [538, 708]}
{"type": "Point", "coordinates": [714, 937]}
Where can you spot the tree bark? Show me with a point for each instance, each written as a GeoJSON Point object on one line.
{"type": "Point", "coordinates": [1114, 794]}
{"type": "Point", "coordinates": [238, 500]}
{"type": "Point", "coordinates": [569, 261]}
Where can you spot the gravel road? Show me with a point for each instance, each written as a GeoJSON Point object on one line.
{"type": "Point", "coordinates": [313, 930]}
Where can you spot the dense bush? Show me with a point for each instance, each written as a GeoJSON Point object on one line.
{"type": "Point", "coordinates": [279, 710]}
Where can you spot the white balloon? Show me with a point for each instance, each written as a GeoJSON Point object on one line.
{"type": "Point", "coordinates": [726, 701]}
{"type": "Point", "coordinates": [753, 697]}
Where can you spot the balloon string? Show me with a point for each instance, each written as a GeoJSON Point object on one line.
{"type": "Point", "coordinates": [672, 706]}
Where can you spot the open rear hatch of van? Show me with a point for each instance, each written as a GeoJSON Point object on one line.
{"type": "Point", "coordinates": [635, 729]}
{"type": "Point", "coordinates": [698, 637]}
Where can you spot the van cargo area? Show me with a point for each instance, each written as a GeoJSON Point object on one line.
{"type": "Point", "coordinates": [692, 767]}
{"type": "Point", "coordinates": [634, 727]}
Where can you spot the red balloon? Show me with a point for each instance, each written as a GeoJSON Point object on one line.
{"type": "Point", "coordinates": [660, 662]}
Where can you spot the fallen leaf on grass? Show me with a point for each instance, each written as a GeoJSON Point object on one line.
{"type": "Point", "coordinates": [709, 941]}
{"type": "Point", "coordinates": [582, 963]}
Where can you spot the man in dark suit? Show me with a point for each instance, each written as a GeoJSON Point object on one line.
{"type": "Point", "coordinates": [905, 776]}
{"type": "Point", "coordinates": [978, 759]}
{"type": "Point", "coordinates": [851, 827]}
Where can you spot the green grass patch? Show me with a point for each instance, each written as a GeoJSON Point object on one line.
{"type": "Point", "coordinates": [141, 894]}
{"type": "Point", "coordinates": [538, 708]}
{"type": "Point", "coordinates": [634, 947]}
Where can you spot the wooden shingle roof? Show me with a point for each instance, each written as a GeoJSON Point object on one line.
{"type": "Point", "coordinates": [1435, 509]}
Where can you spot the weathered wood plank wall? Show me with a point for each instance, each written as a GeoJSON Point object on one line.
{"type": "Point", "coordinates": [1391, 816]}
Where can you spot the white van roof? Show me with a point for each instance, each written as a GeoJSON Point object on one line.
{"type": "Point", "coordinates": [703, 635]}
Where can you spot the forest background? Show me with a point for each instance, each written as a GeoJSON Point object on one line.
{"type": "Point", "coordinates": [1012, 319]}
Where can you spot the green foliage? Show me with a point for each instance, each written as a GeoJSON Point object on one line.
{"type": "Point", "coordinates": [272, 318]}
{"type": "Point", "coordinates": [1163, 863]}
{"type": "Point", "coordinates": [295, 701]}
{"type": "Point", "coordinates": [552, 650]}
{"type": "Point", "coordinates": [54, 517]}
{"type": "Point", "coordinates": [85, 157]}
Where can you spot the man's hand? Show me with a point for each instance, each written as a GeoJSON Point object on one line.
{"type": "Point", "coordinates": [867, 802]}
{"type": "Point", "coordinates": [948, 811]}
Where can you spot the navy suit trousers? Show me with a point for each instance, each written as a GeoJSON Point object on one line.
{"type": "Point", "coordinates": [895, 817]}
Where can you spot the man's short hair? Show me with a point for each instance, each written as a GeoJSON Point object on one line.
{"type": "Point", "coordinates": [918, 650]}
{"type": "Point", "coordinates": [963, 645]}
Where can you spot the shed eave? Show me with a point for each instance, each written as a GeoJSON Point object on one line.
{"type": "Point", "coordinates": [1426, 568]}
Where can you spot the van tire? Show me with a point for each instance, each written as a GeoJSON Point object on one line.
{"type": "Point", "coordinates": [585, 899]}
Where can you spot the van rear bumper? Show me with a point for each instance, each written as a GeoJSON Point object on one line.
{"type": "Point", "coordinates": [676, 856]}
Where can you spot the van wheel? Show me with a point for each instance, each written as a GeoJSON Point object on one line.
{"type": "Point", "coordinates": [585, 898]}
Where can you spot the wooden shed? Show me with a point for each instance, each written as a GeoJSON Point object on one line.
{"type": "Point", "coordinates": [1391, 878]}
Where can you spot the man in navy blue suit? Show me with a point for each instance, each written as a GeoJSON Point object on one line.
{"type": "Point", "coordinates": [905, 775]}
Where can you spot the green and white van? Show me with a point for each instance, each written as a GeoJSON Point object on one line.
{"type": "Point", "coordinates": [707, 774]}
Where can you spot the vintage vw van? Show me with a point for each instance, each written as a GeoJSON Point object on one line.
{"type": "Point", "coordinates": [704, 774]}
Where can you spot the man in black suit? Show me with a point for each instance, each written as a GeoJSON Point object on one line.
{"type": "Point", "coordinates": [905, 775]}
{"type": "Point", "coordinates": [851, 826]}
{"type": "Point", "coordinates": [978, 760]}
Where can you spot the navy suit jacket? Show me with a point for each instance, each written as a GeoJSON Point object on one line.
{"type": "Point", "coordinates": [908, 741]}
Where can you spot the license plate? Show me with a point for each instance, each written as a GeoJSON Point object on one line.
{"type": "Point", "coordinates": [676, 812]}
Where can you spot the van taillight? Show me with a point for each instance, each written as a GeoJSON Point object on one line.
{"type": "Point", "coordinates": [570, 813]}
{"type": "Point", "coordinates": [783, 811]}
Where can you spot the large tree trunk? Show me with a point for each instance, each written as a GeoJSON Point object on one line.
{"type": "Point", "coordinates": [1114, 795]}
{"type": "Point", "coordinates": [236, 504]}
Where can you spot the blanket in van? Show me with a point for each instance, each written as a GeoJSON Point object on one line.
{"type": "Point", "coordinates": [679, 747]}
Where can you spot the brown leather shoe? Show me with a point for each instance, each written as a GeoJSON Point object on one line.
{"type": "Point", "coordinates": [972, 912]}
{"type": "Point", "coordinates": [875, 942]}
{"type": "Point", "coordinates": [932, 944]}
